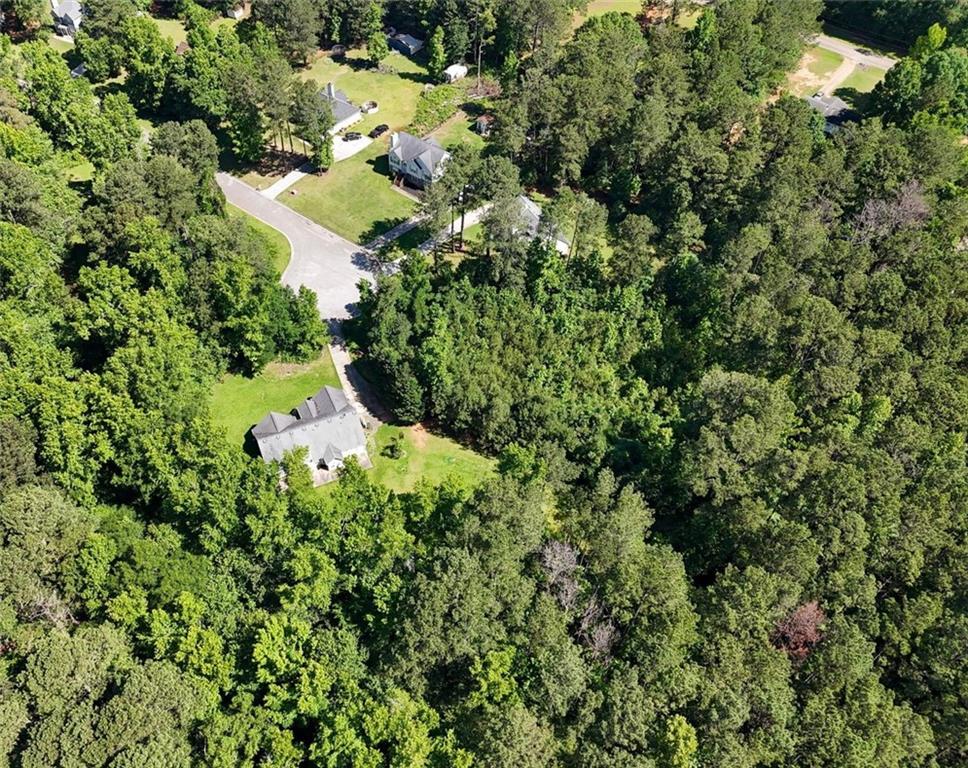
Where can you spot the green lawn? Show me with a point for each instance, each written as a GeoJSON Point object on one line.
{"type": "Point", "coordinates": [238, 403]}
{"type": "Point", "coordinates": [81, 172]}
{"type": "Point", "coordinates": [61, 46]}
{"type": "Point", "coordinates": [173, 29]}
{"type": "Point", "coordinates": [864, 78]}
{"type": "Point", "coordinates": [458, 130]}
{"type": "Point", "coordinates": [396, 92]}
{"type": "Point", "coordinates": [354, 198]}
{"type": "Point", "coordinates": [425, 457]}
{"type": "Point", "coordinates": [822, 62]}
{"type": "Point", "coordinates": [276, 243]}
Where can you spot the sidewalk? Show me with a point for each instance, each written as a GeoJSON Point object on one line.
{"type": "Point", "coordinates": [272, 192]}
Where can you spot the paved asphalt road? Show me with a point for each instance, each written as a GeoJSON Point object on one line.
{"type": "Point", "coordinates": [329, 264]}
{"type": "Point", "coordinates": [854, 53]}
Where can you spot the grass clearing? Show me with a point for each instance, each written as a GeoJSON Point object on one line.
{"type": "Point", "coordinates": [80, 172]}
{"type": "Point", "coordinates": [277, 244]}
{"type": "Point", "coordinates": [864, 78]}
{"type": "Point", "coordinates": [239, 402]}
{"type": "Point", "coordinates": [60, 45]}
{"type": "Point", "coordinates": [822, 62]}
{"type": "Point", "coordinates": [458, 129]}
{"type": "Point", "coordinates": [396, 91]}
{"type": "Point", "coordinates": [426, 456]}
{"type": "Point", "coordinates": [173, 29]}
{"type": "Point", "coordinates": [354, 198]}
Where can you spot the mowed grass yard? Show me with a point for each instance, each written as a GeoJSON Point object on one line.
{"type": "Point", "coordinates": [239, 402]}
{"type": "Point", "coordinates": [425, 456]}
{"type": "Point", "coordinates": [863, 79]}
{"type": "Point", "coordinates": [458, 129]}
{"type": "Point", "coordinates": [277, 244]}
{"type": "Point", "coordinates": [355, 197]}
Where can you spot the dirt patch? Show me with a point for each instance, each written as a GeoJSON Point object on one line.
{"type": "Point", "coordinates": [420, 436]}
{"type": "Point", "coordinates": [803, 81]}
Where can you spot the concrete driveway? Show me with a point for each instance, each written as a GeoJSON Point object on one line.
{"type": "Point", "coordinates": [343, 150]}
{"type": "Point", "coordinates": [321, 260]}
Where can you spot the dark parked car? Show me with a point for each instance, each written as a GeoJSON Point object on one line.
{"type": "Point", "coordinates": [379, 131]}
{"type": "Point", "coordinates": [352, 136]}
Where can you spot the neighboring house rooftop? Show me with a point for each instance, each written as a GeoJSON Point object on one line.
{"type": "Point", "coordinates": [835, 110]}
{"type": "Point", "coordinates": [343, 108]}
{"type": "Point", "coordinates": [326, 424]}
{"type": "Point", "coordinates": [405, 148]}
{"type": "Point", "coordinates": [406, 43]}
{"type": "Point", "coordinates": [531, 219]}
{"type": "Point", "coordinates": [69, 10]}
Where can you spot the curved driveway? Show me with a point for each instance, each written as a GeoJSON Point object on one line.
{"type": "Point", "coordinates": [322, 260]}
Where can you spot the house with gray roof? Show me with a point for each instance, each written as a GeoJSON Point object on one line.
{"type": "Point", "coordinates": [836, 112]}
{"type": "Point", "coordinates": [418, 162]}
{"type": "Point", "coordinates": [67, 17]}
{"type": "Point", "coordinates": [326, 424]}
{"type": "Point", "coordinates": [532, 225]}
{"type": "Point", "coordinates": [406, 44]}
{"type": "Point", "coordinates": [345, 112]}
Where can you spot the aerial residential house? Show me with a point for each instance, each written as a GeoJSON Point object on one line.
{"type": "Point", "coordinates": [455, 72]}
{"type": "Point", "coordinates": [406, 44]}
{"type": "Point", "coordinates": [531, 225]}
{"type": "Point", "coordinates": [836, 112]}
{"type": "Point", "coordinates": [326, 424]}
{"type": "Point", "coordinates": [67, 17]}
{"type": "Point", "coordinates": [345, 112]}
{"type": "Point", "coordinates": [236, 11]}
{"type": "Point", "coordinates": [418, 162]}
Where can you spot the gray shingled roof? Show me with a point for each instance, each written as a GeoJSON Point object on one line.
{"type": "Point", "coordinates": [428, 150]}
{"type": "Point", "coordinates": [326, 424]}
{"type": "Point", "coordinates": [339, 103]}
{"type": "Point", "coordinates": [69, 8]}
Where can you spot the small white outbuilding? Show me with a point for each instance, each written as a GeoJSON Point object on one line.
{"type": "Point", "coordinates": [455, 72]}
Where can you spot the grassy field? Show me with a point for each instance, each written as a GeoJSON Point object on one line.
{"type": "Point", "coordinates": [61, 46]}
{"type": "Point", "coordinates": [425, 457]}
{"type": "Point", "coordinates": [276, 242]}
{"type": "Point", "coordinates": [458, 130]}
{"type": "Point", "coordinates": [822, 62]}
{"type": "Point", "coordinates": [395, 91]}
{"type": "Point", "coordinates": [238, 403]}
{"type": "Point", "coordinates": [173, 29]}
{"type": "Point", "coordinates": [863, 78]}
{"type": "Point", "coordinates": [354, 198]}
{"type": "Point", "coordinates": [80, 172]}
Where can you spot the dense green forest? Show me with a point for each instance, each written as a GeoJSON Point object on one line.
{"type": "Point", "coordinates": [730, 523]}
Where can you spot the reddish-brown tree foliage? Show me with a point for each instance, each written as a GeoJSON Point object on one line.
{"type": "Point", "coordinates": [800, 631]}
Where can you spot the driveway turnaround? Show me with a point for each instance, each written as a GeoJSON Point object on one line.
{"type": "Point", "coordinates": [322, 260]}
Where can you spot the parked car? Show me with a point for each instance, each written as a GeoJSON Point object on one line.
{"type": "Point", "coordinates": [379, 131]}
{"type": "Point", "coordinates": [352, 136]}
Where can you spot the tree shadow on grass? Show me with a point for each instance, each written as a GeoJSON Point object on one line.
{"type": "Point", "coordinates": [862, 102]}
{"type": "Point", "coordinates": [274, 163]}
